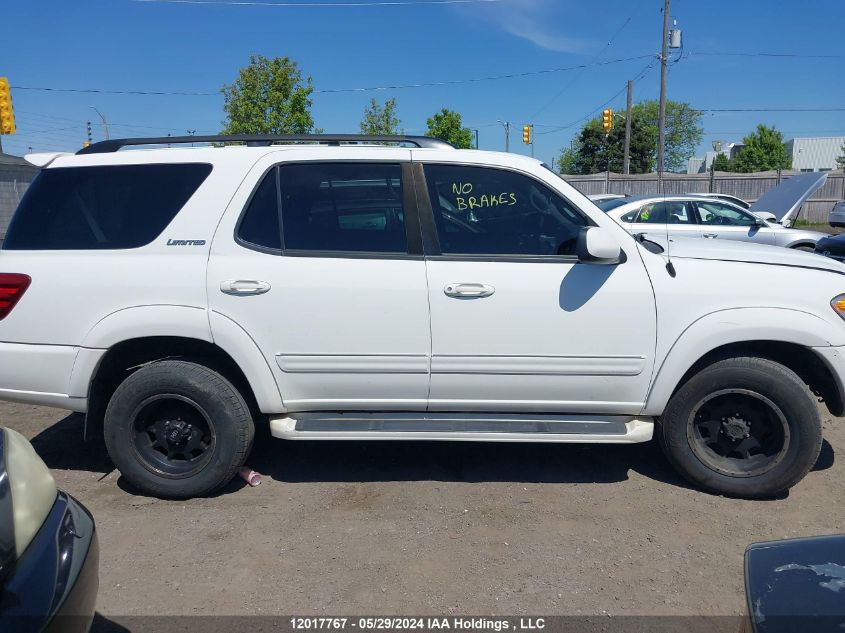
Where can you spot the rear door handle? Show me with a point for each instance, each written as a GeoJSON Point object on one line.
{"type": "Point", "coordinates": [244, 287]}
{"type": "Point", "coordinates": [710, 236]}
{"type": "Point", "coordinates": [468, 290]}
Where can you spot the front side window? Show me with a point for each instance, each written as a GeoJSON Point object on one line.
{"type": "Point", "coordinates": [108, 207]}
{"type": "Point", "coordinates": [344, 207]}
{"type": "Point", "coordinates": [712, 213]}
{"type": "Point", "coordinates": [487, 211]}
{"type": "Point", "coordinates": [667, 212]}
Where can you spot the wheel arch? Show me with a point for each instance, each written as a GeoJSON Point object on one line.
{"type": "Point", "coordinates": [783, 335]}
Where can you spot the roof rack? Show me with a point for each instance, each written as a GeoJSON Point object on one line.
{"type": "Point", "coordinates": [263, 140]}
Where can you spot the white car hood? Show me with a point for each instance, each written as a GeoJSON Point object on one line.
{"type": "Point", "coordinates": [728, 250]}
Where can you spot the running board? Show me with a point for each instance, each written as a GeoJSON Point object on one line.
{"type": "Point", "coordinates": [479, 427]}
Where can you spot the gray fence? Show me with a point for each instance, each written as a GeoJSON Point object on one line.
{"type": "Point", "coordinates": [15, 176]}
{"type": "Point", "coordinates": [746, 186]}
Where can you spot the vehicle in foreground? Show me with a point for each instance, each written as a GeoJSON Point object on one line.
{"type": "Point", "coordinates": [699, 217]}
{"type": "Point", "coordinates": [49, 554]}
{"type": "Point", "coordinates": [796, 585]}
{"type": "Point", "coordinates": [341, 289]}
{"type": "Point", "coordinates": [837, 214]}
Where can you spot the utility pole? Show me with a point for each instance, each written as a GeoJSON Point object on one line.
{"type": "Point", "coordinates": [103, 119]}
{"type": "Point", "coordinates": [626, 160]}
{"type": "Point", "coordinates": [507, 126]}
{"type": "Point", "coordinates": [476, 139]}
{"type": "Point", "coordinates": [661, 117]}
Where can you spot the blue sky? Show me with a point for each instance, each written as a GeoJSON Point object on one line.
{"type": "Point", "coordinates": [167, 46]}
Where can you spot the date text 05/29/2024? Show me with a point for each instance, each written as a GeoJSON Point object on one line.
{"type": "Point", "coordinates": [453, 623]}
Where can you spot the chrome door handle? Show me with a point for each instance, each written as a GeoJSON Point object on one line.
{"type": "Point", "coordinates": [710, 236]}
{"type": "Point", "coordinates": [468, 290]}
{"type": "Point", "coordinates": [244, 287]}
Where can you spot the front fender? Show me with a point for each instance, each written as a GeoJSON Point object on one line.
{"type": "Point", "coordinates": [725, 327]}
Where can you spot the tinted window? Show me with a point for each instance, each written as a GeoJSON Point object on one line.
{"type": "Point", "coordinates": [481, 210]}
{"type": "Point", "coordinates": [343, 207]}
{"type": "Point", "coordinates": [713, 213]}
{"type": "Point", "coordinates": [118, 206]}
{"type": "Point", "coordinates": [612, 203]}
{"type": "Point", "coordinates": [629, 217]}
{"type": "Point", "coordinates": [260, 222]}
{"type": "Point", "coordinates": [669, 212]}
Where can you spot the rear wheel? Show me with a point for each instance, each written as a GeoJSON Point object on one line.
{"type": "Point", "coordinates": [807, 248]}
{"type": "Point", "coordinates": [745, 427]}
{"type": "Point", "coordinates": [177, 429]}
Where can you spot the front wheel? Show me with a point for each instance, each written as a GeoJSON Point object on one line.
{"type": "Point", "coordinates": [177, 429]}
{"type": "Point", "coordinates": [807, 248]}
{"type": "Point", "coordinates": [744, 427]}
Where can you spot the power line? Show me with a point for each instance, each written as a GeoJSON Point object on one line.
{"type": "Point", "coordinates": [426, 84]}
{"type": "Point", "coordinates": [702, 110]}
{"type": "Point", "coordinates": [320, 4]}
{"type": "Point", "coordinates": [774, 55]}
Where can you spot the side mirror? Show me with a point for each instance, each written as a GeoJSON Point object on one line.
{"type": "Point", "coordinates": [596, 245]}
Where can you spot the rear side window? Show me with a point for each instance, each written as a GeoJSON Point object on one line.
{"type": "Point", "coordinates": [260, 223]}
{"type": "Point", "coordinates": [112, 207]}
{"type": "Point", "coordinates": [343, 207]}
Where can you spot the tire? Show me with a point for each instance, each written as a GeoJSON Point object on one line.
{"type": "Point", "coordinates": [772, 406]}
{"type": "Point", "coordinates": [176, 429]}
{"type": "Point", "coordinates": [807, 248]}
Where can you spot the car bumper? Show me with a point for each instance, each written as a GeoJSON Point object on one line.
{"type": "Point", "coordinates": [53, 586]}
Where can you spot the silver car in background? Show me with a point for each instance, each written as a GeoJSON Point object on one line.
{"type": "Point", "coordinates": [706, 218]}
{"type": "Point", "coordinates": [837, 215]}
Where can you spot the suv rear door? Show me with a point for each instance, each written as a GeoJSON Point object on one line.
{"type": "Point", "coordinates": [336, 297]}
{"type": "Point", "coordinates": [517, 323]}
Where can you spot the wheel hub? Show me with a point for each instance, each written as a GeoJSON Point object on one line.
{"type": "Point", "coordinates": [735, 428]}
{"type": "Point", "coordinates": [177, 432]}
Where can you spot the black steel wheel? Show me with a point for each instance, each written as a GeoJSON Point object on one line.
{"type": "Point", "coordinates": [742, 426]}
{"type": "Point", "coordinates": [177, 429]}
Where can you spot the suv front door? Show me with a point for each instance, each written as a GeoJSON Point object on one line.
{"type": "Point", "coordinates": [517, 323]}
{"type": "Point", "coordinates": [336, 298]}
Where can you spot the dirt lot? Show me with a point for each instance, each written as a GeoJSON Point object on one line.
{"type": "Point", "coordinates": [439, 528]}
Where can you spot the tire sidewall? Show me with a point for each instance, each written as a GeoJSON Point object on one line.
{"type": "Point", "coordinates": [791, 396]}
{"type": "Point", "coordinates": [181, 379]}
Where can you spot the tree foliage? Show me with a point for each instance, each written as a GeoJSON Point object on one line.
{"type": "Point", "coordinates": [592, 152]}
{"type": "Point", "coordinates": [448, 126]}
{"type": "Point", "coordinates": [722, 163]}
{"type": "Point", "coordinates": [380, 119]}
{"type": "Point", "coordinates": [268, 97]}
{"type": "Point", "coordinates": [763, 150]}
{"type": "Point", "coordinates": [566, 164]}
{"type": "Point", "coordinates": [840, 160]}
{"type": "Point", "coordinates": [683, 130]}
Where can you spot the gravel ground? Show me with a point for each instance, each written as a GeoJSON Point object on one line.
{"type": "Point", "coordinates": [431, 528]}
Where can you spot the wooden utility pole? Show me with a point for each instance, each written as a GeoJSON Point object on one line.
{"type": "Point", "coordinates": [661, 117]}
{"type": "Point", "coordinates": [626, 161]}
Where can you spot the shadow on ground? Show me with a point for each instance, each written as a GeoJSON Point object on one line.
{"type": "Point", "coordinates": [62, 447]}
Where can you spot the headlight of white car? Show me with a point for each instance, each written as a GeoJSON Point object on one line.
{"type": "Point", "coordinates": [30, 484]}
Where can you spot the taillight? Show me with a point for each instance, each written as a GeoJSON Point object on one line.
{"type": "Point", "coordinates": [12, 287]}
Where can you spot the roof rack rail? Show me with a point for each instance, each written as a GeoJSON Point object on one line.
{"type": "Point", "coordinates": [263, 140]}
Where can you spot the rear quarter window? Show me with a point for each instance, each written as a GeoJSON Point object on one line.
{"type": "Point", "coordinates": [109, 207]}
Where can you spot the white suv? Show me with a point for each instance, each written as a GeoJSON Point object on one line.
{"type": "Point", "coordinates": [342, 289]}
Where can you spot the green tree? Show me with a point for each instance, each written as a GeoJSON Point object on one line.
{"type": "Point", "coordinates": [840, 160]}
{"type": "Point", "coordinates": [268, 97]}
{"type": "Point", "coordinates": [379, 119]}
{"type": "Point", "coordinates": [448, 126]}
{"type": "Point", "coordinates": [594, 151]}
{"type": "Point", "coordinates": [763, 150]}
{"type": "Point", "coordinates": [722, 163]}
{"type": "Point", "coordinates": [683, 131]}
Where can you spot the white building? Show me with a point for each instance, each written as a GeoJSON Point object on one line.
{"type": "Point", "coordinates": [815, 154]}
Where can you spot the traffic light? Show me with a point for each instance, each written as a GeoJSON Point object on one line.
{"type": "Point", "coordinates": [7, 115]}
{"type": "Point", "coordinates": [526, 134]}
{"type": "Point", "coordinates": [607, 119]}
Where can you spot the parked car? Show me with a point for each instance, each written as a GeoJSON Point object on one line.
{"type": "Point", "coordinates": [832, 246]}
{"type": "Point", "coordinates": [837, 214]}
{"type": "Point", "coordinates": [694, 216]}
{"type": "Point", "coordinates": [796, 585]}
{"type": "Point", "coordinates": [48, 546]}
{"type": "Point", "coordinates": [349, 291]}
{"type": "Point", "coordinates": [723, 196]}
